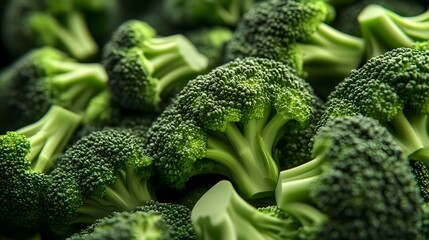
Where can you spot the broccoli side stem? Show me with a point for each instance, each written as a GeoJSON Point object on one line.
{"type": "Point", "coordinates": [294, 190]}
{"type": "Point", "coordinates": [328, 47]}
{"type": "Point", "coordinates": [411, 136]}
{"type": "Point", "coordinates": [251, 166]}
{"type": "Point", "coordinates": [76, 25]}
{"type": "Point", "coordinates": [174, 78]}
{"type": "Point", "coordinates": [272, 129]}
{"type": "Point", "coordinates": [128, 192]}
{"type": "Point", "coordinates": [49, 136]}
{"type": "Point", "coordinates": [380, 32]}
{"type": "Point", "coordinates": [417, 27]}
{"type": "Point", "coordinates": [229, 15]}
{"type": "Point", "coordinates": [305, 213]}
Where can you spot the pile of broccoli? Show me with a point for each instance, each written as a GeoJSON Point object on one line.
{"type": "Point", "coordinates": [213, 120]}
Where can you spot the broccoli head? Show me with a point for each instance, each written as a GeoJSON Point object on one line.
{"type": "Point", "coordinates": [228, 121]}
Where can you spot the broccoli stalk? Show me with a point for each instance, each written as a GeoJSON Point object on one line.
{"type": "Point", "coordinates": [145, 70]}
{"type": "Point", "coordinates": [49, 136]}
{"type": "Point", "coordinates": [221, 213]}
{"type": "Point", "coordinates": [356, 164]}
{"type": "Point", "coordinates": [384, 30]}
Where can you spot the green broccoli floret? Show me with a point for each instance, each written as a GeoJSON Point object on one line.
{"type": "Point", "coordinates": [27, 156]}
{"type": "Point", "coordinates": [384, 30]}
{"type": "Point", "coordinates": [346, 16]}
{"type": "Point", "coordinates": [62, 24]}
{"type": "Point", "coordinates": [421, 172]}
{"type": "Point", "coordinates": [103, 172]}
{"type": "Point", "coordinates": [126, 226]}
{"type": "Point", "coordinates": [222, 213]}
{"type": "Point", "coordinates": [210, 42]}
{"type": "Point", "coordinates": [421, 45]}
{"type": "Point", "coordinates": [145, 69]}
{"type": "Point", "coordinates": [391, 88]}
{"type": "Point", "coordinates": [295, 32]}
{"type": "Point", "coordinates": [203, 13]}
{"type": "Point", "coordinates": [228, 122]}
{"type": "Point", "coordinates": [358, 186]}
{"type": "Point", "coordinates": [44, 77]}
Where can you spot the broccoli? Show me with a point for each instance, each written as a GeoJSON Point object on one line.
{"type": "Point", "coordinates": [221, 213]}
{"type": "Point", "coordinates": [54, 23]}
{"type": "Point", "coordinates": [358, 185]}
{"type": "Point", "coordinates": [103, 172]}
{"type": "Point", "coordinates": [145, 69]}
{"type": "Point", "coordinates": [193, 13]}
{"type": "Point", "coordinates": [421, 172]}
{"type": "Point", "coordinates": [46, 76]}
{"type": "Point", "coordinates": [295, 32]}
{"type": "Point", "coordinates": [154, 220]}
{"type": "Point", "coordinates": [228, 122]}
{"type": "Point", "coordinates": [346, 16]}
{"type": "Point", "coordinates": [384, 30]}
{"type": "Point", "coordinates": [27, 156]}
{"type": "Point", "coordinates": [421, 45]}
{"type": "Point", "coordinates": [391, 88]}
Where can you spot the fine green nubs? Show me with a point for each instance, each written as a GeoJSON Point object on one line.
{"type": "Point", "coordinates": [145, 69]}
{"type": "Point", "coordinates": [228, 122]}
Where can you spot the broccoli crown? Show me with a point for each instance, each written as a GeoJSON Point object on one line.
{"type": "Point", "coordinates": [221, 213]}
{"type": "Point", "coordinates": [391, 88]}
{"type": "Point", "coordinates": [144, 68]}
{"type": "Point", "coordinates": [385, 30]}
{"type": "Point", "coordinates": [358, 186]}
{"type": "Point", "coordinates": [126, 226]}
{"type": "Point", "coordinates": [200, 13]}
{"type": "Point", "coordinates": [45, 77]}
{"type": "Point", "coordinates": [102, 172]}
{"type": "Point", "coordinates": [176, 216]}
{"type": "Point", "coordinates": [21, 188]}
{"type": "Point", "coordinates": [283, 22]}
{"type": "Point", "coordinates": [231, 116]}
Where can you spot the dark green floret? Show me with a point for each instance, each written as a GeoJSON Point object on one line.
{"type": "Point", "coordinates": [27, 157]}
{"type": "Point", "coordinates": [103, 172]}
{"type": "Point", "coordinates": [359, 185]}
{"type": "Point", "coordinates": [228, 121]}
{"type": "Point", "coordinates": [296, 33]}
{"type": "Point", "coordinates": [145, 69]}
{"type": "Point", "coordinates": [45, 77]}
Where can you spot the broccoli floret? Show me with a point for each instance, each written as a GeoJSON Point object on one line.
{"type": "Point", "coordinates": [384, 30]}
{"type": "Point", "coordinates": [421, 172]}
{"type": "Point", "coordinates": [210, 42]}
{"type": "Point", "coordinates": [145, 69]}
{"type": "Point", "coordinates": [358, 186]}
{"type": "Point", "coordinates": [193, 13]}
{"type": "Point", "coordinates": [176, 216]}
{"type": "Point", "coordinates": [346, 15]}
{"type": "Point", "coordinates": [228, 121]}
{"type": "Point", "coordinates": [27, 156]}
{"type": "Point", "coordinates": [295, 32]}
{"type": "Point", "coordinates": [103, 172]}
{"type": "Point", "coordinates": [391, 88]}
{"type": "Point", "coordinates": [46, 76]}
{"type": "Point", "coordinates": [126, 226]}
{"type": "Point", "coordinates": [421, 45]}
{"type": "Point", "coordinates": [222, 213]}
{"type": "Point", "coordinates": [60, 24]}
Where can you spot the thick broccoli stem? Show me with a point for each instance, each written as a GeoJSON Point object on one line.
{"type": "Point", "coordinates": [75, 84]}
{"type": "Point", "coordinates": [173, 61]}
{"type": "Point", "coordinates": [49, 136]}
{"type": "Point", "coordinates": [249, 161]}
{"type": "Point", "coordinates": [383, 30]}
{"type": "Point", "coordinates": [129, 191]}
{"type": "Point", "coordinates": [73, 36]}
{"type": "Point", "coordinates": [306, 214]}
{"type": "Point", "coordinates": [410, 131]}
{"type": "Point", "coordinates": [330, 48]}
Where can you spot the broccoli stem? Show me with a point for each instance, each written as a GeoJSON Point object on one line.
{"type": "Point", "coordinates": [231, 15]}
{"type": "Point", "coordinates": [406, 134]}
{"type": "Point", "coordinates": [77, 26]}
{"type": "Point", "coordinates": [49, 136]}
{"type": "Point", "coordinates": [417, 27]}
{"type": "Point", "coordinates": [306, 214]}
{"type": "Point", "coordinates": [249, 162]}
{"type": "Point", "coordinates": [128, 192]}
